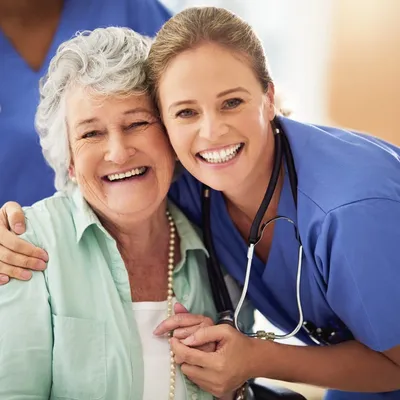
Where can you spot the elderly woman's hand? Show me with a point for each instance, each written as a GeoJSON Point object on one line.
{"type": "Point", "coordinates": [184, 324]}
{"type": "Point", "coordinates": [17, 256]}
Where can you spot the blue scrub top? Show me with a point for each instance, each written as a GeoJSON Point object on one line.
{"type": "Point", "coordinates": [24, 175]}
{"type": "Point", "coordinates": [348, 217]}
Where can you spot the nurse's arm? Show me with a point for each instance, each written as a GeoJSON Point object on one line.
{"type": "Point", "coordinates": [17, 257]}
{"type": "Point", "coordinates": [348, 366]}
{"type": "Point", "coordinates": [25, 340]}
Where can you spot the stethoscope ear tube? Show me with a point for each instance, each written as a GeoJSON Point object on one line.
{"type": "Point", "coordinates": [278, 155]}
{"type": "Point", "coordinates": [219, 289]}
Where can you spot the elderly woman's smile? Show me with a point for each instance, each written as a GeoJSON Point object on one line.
{"type": "Point", "coordinates": [120, 155]}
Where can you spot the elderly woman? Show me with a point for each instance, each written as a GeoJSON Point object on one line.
{"type": "Point", "coordinates": [119, 253]}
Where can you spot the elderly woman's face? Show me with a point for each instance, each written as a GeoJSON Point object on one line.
{"type": "Point", "coordinates": [121, 157]}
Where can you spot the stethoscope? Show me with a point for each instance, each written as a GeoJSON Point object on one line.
{"type": "Point", "coordinates": [223, 303]}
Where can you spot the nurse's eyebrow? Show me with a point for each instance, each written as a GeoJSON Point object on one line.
{"type": "Point", "coordinates": [224, 93]}
{"type": "Point", "coordinates": [179, 103]}
{"type": "Point", "coordinates": [229, 91]}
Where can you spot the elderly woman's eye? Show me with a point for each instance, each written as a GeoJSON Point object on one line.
{"type": "Point", "coordinates": [138, 124]}
{"type": "Point", "coordinates": [233, 103]}
{"type": "Point", "coordinates": [186, 113]}
{"type": "Point", "coordinates": [90, 134]}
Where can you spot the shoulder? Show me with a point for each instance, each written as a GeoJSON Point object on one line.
{"type": "Point", "coordinates": [143, 16]}
{"type": "Point", "coordinates": [148, 16]}
{"type": "Point", "coordinates": [186, 194]}
{"type": "Point", "coordinates": [336, 167]}
{"type": "Point", "coordinates": [49, 219]}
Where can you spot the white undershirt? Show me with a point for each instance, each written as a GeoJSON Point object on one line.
{"type": "Point", "coordinates": [156, 352]}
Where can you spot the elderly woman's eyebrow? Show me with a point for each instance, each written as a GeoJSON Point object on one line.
{"type": "Point", "coordinates": [138, 110]}
{"type": "Point", "coordinates": [127, 112]}
{"type": "Point", "coordinates": [86, 122]}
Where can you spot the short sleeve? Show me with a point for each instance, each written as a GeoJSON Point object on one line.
{"type": "Point", "coordinates": [147, 16]}
{"type": "Point", "coordinates": [359, 250]}
{"type": "Point", "coordinates": [25, 337]}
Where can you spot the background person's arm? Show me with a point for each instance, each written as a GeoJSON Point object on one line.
{"type": "Point", "coordinates": [26, 339]}
{"type": "Point", "coordinates": [17, 257]}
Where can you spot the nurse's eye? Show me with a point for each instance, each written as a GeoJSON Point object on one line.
{"type": "Point", "coordinates": [232, 103]}
{"type": "Point", "coordinates": [186, 113]}
{"type": "Point", "coordinates": [91, 134]}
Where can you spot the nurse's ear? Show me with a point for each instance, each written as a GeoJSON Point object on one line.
{"type": "Point", "coordinates": [270, 101]}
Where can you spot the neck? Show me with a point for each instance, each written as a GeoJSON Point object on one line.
{"type": "Point", "coordinates": [137, 240]}
{"type": "Point", "coordinates": [247, 197]}
{"type": "Point", "coordinates": [29, 10]}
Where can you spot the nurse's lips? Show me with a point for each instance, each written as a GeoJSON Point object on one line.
{"type": "Point", "coordinates": [221, 155]}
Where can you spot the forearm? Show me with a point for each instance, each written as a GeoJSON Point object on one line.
{"type": "Point", "coordinates": [349, 366]}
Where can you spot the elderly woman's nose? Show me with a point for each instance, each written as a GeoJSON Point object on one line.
{"type": "Point", "coordinates": [212, 127]}
{"type": "Point", "coordinates": [119, 149]}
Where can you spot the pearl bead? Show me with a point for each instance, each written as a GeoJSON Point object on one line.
{"type": "Point", "coordinates": [171, 259]}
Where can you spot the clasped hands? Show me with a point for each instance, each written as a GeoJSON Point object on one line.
{"type": "Point", "coordinates": [215, 357]}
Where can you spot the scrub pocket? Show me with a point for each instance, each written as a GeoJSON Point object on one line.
{"type": "Point", "coordinates": [79, 359]}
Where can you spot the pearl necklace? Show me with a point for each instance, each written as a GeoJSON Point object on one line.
{"type": "Point", "coordinates": [171, 266]}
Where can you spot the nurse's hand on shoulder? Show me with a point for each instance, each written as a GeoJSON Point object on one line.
{"type": "Point", "coordinates": [222, 371]}
{"type": "Point", "coordinates": [183, 324]}
{"type": "Point", "coordinates": [17, 257]}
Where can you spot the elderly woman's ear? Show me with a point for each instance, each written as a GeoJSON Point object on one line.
{"type": "Point", "coordinates": [71, 174]}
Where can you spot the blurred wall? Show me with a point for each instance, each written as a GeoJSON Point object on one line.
{"type": "Point", "coordinates": [363, 76]}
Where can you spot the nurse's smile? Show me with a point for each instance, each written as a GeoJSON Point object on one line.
{"type": "Point", "coordinates": [221, 155]}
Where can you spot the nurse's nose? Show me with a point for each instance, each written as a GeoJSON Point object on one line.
{"type": "Point", "coordinates": [119, 149]}
{"type": "Point", "coordinates": [212, 127]}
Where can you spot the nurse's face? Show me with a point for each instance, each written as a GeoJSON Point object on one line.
{"type": "Point", "coordinates": [217, 116]}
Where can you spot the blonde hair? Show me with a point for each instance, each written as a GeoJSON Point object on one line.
{"type": "Point", "coordinates": [197, 25]}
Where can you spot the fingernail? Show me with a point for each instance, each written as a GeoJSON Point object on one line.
{"type": "Point", "coordinates": [4, 278]}
{"type": "Point", "coordinates": [188, 341]}
{"type": "Point", "coordinates": [43, 255]}
{"type": "Point", "coordinates": [155, 332]}
{"type": "Point", "coordinates": [40, 265]}
{"type": "Point", "coordinates": [26, 274]}
{"type": "Point", "coordinates": [19, 228]}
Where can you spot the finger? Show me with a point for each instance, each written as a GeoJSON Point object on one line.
{"type": "Point", "coordinates": [15, 244]}
{"type": "Point", "coordinates": [4, 279]}
{"type": "Point", "coordinates": [180, 308]}
{"type": "Point", "coordinates": [199, 376]}
{"type": "Point", "coordinates": [7, 257]}
{"type": "Point", "coordinates": [183, 333]}
{"type": "Point", "coordinates": [182, 320]}
{"type": "Point", "coordinates": [208, 348]}
{"type": "Point", "coordinates": [14, 216]}
{"type": "Point", "coordinates": [184, 354]}
{"type": "Point", "coordinates": [14, 272]}
{"type": "Point", "coordinates": [206, 379]}
{"type": "Point", "coordinates": [208, 334]}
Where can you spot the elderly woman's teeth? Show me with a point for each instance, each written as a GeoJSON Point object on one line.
{"type": "Point", "coordinates": [221, 156]}
{"type": "Point", "coordinates": [128, 174]}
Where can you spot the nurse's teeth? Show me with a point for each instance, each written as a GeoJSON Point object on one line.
{"type": "Point", "coordinates": [133, 172]}
{"type": "Point", "coordinates": [221, 156]}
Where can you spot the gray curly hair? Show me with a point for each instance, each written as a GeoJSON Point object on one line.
{"type": "Point", "coordinates": [108, 61]}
